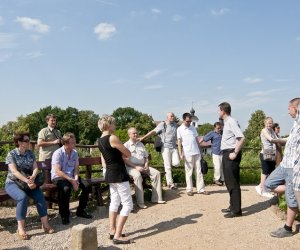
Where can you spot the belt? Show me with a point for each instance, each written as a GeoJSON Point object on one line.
{"type": "Point", "coordinates": [228, 150]}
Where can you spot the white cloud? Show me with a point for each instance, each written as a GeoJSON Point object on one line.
{"type": "Point", "coordinates": [152, 74]}
{"type": "Point", "coordinates": [7, 41]}
{"type": "Point", "coordinates": [265, 92]}
{"type": "Point", "coordinates": [252, 79]}
{"type": "Point", "coordinates": [219, 88]}
{"type": "Point", "coordinates": [105, 30]}
{"type": "Point", "coordinates": [1, 20]}
{"type": "Point", "coordinates": [108, 3]}
{"type": "Point", "coordinates": [35, 54]}
{"type": "Point", "coordinates": [33, 24]}
{"type": "Point", "coordinates": [5, 57]}
{"type": "Point", "coordinates": [157, 86]}
{"type": "Point", "coordinates": [177, 18]}
{"type": "Point", "coordinates": [181, 73]}
{"type": "Point", "coordinates": [219, 12]}
{"type": "Point", "coordinates": [156, 11]}
{"type": "Point", "coordinates": [282, 80]}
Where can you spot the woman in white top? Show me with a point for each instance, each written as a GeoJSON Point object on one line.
{"type": "Point", "coordinates": [267, 136]}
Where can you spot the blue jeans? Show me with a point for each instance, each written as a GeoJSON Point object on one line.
{"type": "Point", "coordinates": [22, 198]}
{"type": "Point", "coordinates": [283, 176]}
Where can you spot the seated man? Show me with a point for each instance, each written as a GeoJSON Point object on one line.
{"type": "Point", "coordinates": [65, 174]}
{"type": "Point", "coordinates": [138, 166]}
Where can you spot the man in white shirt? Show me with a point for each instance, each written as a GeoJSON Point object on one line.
{"type": "Point", "coordinates": [137, 166]}
{"type": "Point", "coordinates": [189, 151]}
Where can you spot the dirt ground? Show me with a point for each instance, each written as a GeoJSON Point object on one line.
{"type": "Point", "coordinates": [185, 222]}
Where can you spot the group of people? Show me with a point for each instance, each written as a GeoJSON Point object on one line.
{"type": "Point", "coordinates": [131, 158]}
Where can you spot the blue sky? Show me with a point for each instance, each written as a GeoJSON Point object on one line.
{"type": "Point", "coordinates": [155, 56]}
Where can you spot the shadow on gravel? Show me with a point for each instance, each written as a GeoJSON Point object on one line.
{"type": "Point", "coordinates": [166, 226]}
{"type": "Point", "coordinates": [258, 207]}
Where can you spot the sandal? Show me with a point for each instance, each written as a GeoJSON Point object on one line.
{"type": "Point", "coordinates": [48, 230]}
{"type": "Point", "coordinates": [24, 236]}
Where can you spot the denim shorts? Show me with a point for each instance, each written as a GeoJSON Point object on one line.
{"type": "Point", "coordinates": [283, 176]}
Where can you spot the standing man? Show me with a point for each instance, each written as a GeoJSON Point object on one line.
{"type": "Point", "coordinates": [65, 174]}
{"type": "Point", "coordinates": [231, 144]}
{"type": "Point", "coordinates": [138, 166]}
{"type": "Point", "coordinates": [215, 137]}
{"type": "Point", "coordinates": [167, 132]}
{"type": "Point", "coordinates": [189, 151]}
{"type": "Point", "coordinates": [49, 138]}
{"type": "Point", "coordinates": [281, 179]}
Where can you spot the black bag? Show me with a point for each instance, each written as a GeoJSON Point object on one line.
{"type": "Point", "coordinates": [158, 143]}
{"type": "Point", "coordinates": [204, 167]}
{"type": "Point", "coordinates": [39, 180]}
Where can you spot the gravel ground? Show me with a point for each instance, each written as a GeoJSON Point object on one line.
{"type": "Point", "coordinates": [183, 223]}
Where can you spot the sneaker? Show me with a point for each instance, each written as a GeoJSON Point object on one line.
{"type": "Point", "coordinates": [267, 195]}
{"type": "Point", "coordinates": [142, 206]}
{"type": "Point", "coordinates": [190, 193]}
{"type": "Point", "coordinates": [218, 183]}
{"type": "Point", "coordinates": [258, 189]}
{"type": "Point", "coordinates": [84, 214]}
{"type": "Point", "coordinates": [281, 233]}
{"type": "Point", "coordinates": [172, 186]}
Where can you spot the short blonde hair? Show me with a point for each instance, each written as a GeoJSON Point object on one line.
{"type": "Point", "coordinates": [105, 121]}
{"type": "Point", "coordinates": [67, 137]}
{"type": "Point", "coordinates": [268, 119]}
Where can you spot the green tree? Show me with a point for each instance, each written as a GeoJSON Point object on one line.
{"type": "Point", "coordinates": [205, 128]}
{"type": "Point", "coordinates": [252, 132]}
{"type": "Point", "coordinates": [124, 116]}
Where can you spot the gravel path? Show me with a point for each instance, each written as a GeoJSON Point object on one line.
{"type": "Point", "coordinates": [183, 223]}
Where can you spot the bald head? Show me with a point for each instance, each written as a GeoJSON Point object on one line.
{"type": "Point", "coordinates": [132, 133]}
{"type": "Point", "coordinates": [170, 117]}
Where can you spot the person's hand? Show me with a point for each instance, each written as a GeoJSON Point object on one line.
{"type": "Point", "coordinates": [30, 179]}
{"type": "Point", "coordinates": [139, 168]}
{"type": "Point", "coordinates": [146, 168]}
{"type": "Point", "coordinates": [75, 184]}
{"type": "Point", "coordinates": [31, 185]}
{"type": "Point", "coordinates": [57, 141]}
{"type": "Point", "coordinates": [232, 156]}
{"type": "Point", "coordinates": [140, 139]}
{"type": "Point", "coordinates": [181, 156]}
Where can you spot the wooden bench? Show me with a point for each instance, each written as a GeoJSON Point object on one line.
{"type": "Point", "coordinates": [98, 184]}
{"type": "Point", "coordinates": [3, 172]}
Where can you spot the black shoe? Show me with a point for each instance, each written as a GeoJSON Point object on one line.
{"type": "Point", "coordinates": [111, 236]}
{"type": "Point", "coordinates": [65, 220]}
{"type": "Point", "coordinates": [232, 215]}
{"type": "Point", "coordinates": [226, 210]}
{"type": "Point", "coordinates": [115, 241]}
{"type": "Point", "coordinates": [84, 214]}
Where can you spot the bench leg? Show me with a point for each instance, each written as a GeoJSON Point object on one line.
{"type": "Point", "coordinates": [99, 197]}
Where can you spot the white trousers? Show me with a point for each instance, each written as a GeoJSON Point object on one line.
{"type": "Point", "coordinates": [138, 184]}
{"type": "Point", "coordinates": [167, 154]}
{"type": "Point", "coordinates": [120, 193]}
{"type": "Point", "coordinates": [218, 171]}
{"type": "Point", "coordinates": [192, 163]}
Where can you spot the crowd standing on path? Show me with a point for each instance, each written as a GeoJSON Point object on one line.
{"type": "Point", "coordinates": [131, 158]}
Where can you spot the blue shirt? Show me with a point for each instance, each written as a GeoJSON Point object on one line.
{"type": "Point", "coordinates": [23, 162]}
{"type": "Point", "coordinates": [215, 139]}
{"type": "Point", "coordinates": [67, 162]}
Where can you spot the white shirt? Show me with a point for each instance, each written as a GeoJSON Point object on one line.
{"type": "Point", "coordinates": [188, 136]}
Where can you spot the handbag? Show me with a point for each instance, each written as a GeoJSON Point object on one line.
{"type": "Point", "coordinates": [204, 166]}
{"type": "Point", "coordinates": [158, 144]}
{"type": "Point", "coordinates": [38, 181]}
{"type": "Point", "coordinates": [269, 154]}
{"type": "Point", "coordinates": [175, 158]}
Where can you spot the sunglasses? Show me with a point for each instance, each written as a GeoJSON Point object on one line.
{"type": "Point", "coordinates": [188, 121]}
{"type": "Point", "coordinates": [25, 140]}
